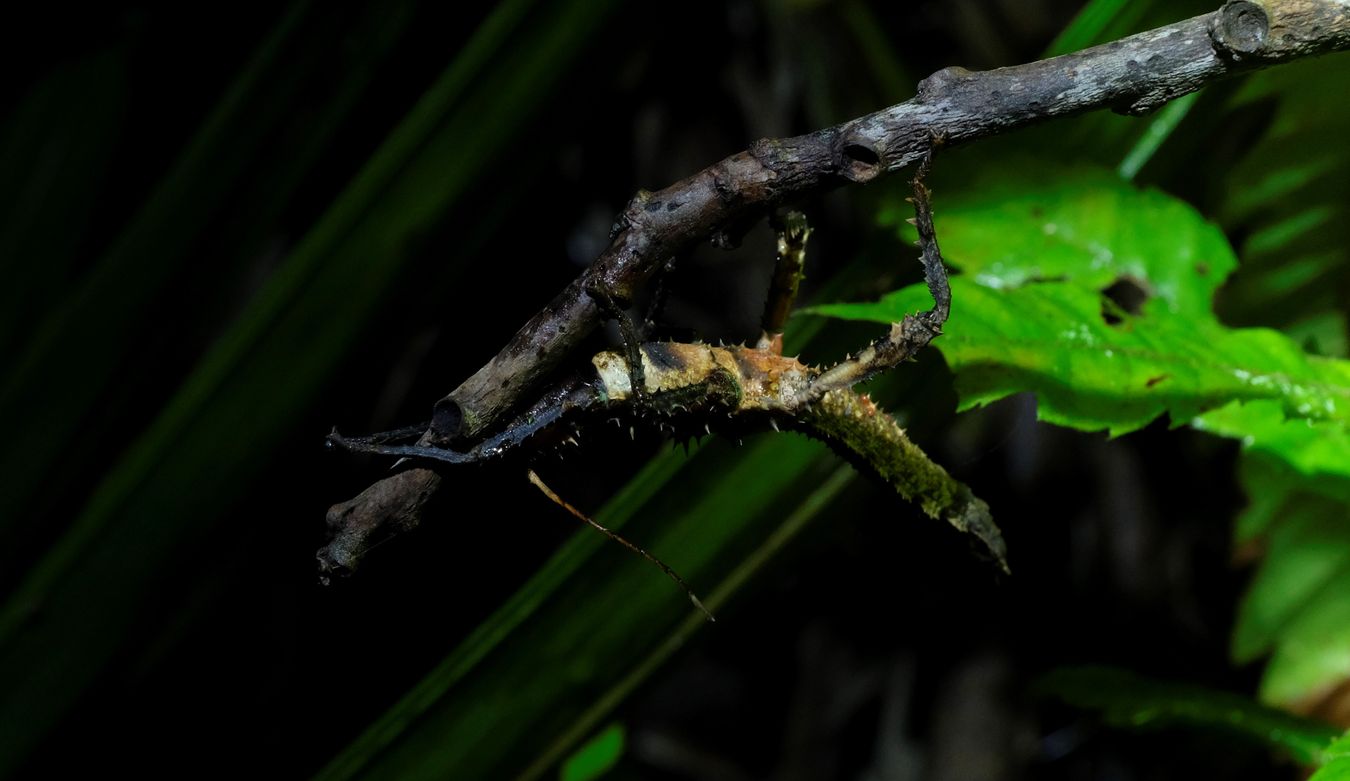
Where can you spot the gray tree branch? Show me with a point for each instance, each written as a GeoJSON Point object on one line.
{"type": "Point", "coordinates": [1133, 75]}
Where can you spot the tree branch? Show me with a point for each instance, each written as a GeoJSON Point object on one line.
{"type": "Point", "coordinates": [1134, 75]}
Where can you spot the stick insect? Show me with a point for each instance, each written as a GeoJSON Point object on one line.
{"type": "Point", "coordinates": [683, 386]}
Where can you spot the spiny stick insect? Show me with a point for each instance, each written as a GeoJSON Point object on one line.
{"type": "Point", "coordinates": [685, 386]}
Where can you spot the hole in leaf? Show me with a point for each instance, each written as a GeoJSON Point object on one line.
{"type": "Point", "coordinates": [1125, 296]}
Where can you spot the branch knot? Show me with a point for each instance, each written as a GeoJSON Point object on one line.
{"type": "Point", "coordinates": [1239, 30]}
{"type": "Point", "coordinates": [940, 83]}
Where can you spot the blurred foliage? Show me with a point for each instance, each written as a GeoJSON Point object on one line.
{"type": "Point", "coordinates": [194, 292]}
{"type": "Point", "coordinates": [230, 405]}
{"type": "Point", "coordinates": [1298, 605]}
{"type": "Point", "coordinates": [1135, 701]}
{"type": "Point", "coordinates": [596, 757]}
{"type": "Point", "coordinates": [1337, 767]}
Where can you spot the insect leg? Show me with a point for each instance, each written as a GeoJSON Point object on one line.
{"type": "Point", "coordinates": [632, 340]}
{"type": "Point", "coordinates": [857, 429]}
{"type": "Point", "coordinates": [793, 233]}
{"type": "Point", "coordinates": [914, 332]}
{"type": "Point", "coordinates": [660, 292]}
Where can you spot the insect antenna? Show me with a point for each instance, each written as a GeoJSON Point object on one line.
{"type": "Point", "coordinates": [538, 483]}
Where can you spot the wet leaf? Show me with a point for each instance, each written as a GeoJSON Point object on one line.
{"type": "Point", "coordinates": [1098, 297]}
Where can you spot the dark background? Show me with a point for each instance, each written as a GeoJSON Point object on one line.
{"type": "Point", "coordinates": [160, 168]}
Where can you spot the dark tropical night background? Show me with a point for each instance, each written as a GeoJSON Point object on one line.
{"type": "Point", "coordinates": [225, 231]}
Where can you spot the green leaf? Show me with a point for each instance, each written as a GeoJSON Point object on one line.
{"type": "Point", "coordinates": [1034, 220]}
{"type": "Point", "coordinates": [1297, 607]}
{"type": "Point", "coordinates": [1317, 449]}
{"type": "Point", "coordinates": [1337, 756]}
{"type": "Point", "coordinates": [1126, 699]}
{"type": "Point", "coordinates": [1288, 194]}
{"type": "Point", "coordinates": [1297, 476]}
{"type": "Point", "coordinates": [1031, 310]}
{"type": "Point", "coordinates": [596, 756]}
{"type": "Point", "coordinates": [1312, 655]}
{"type": "Point", "coordinates": [1307, 553]}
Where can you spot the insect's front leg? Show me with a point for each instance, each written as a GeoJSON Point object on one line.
{"type": "Point", "coordinates": [914, 332]}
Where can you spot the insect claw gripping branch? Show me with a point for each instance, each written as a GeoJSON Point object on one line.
{"type": "Point", "coordinates": [687, 387]}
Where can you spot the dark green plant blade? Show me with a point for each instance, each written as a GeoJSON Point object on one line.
{"type": "Point", "coordinates": [55, 148]}
{"type": "Point", "coordinates": [1155, 133]}
{"type": "Point", "coordinates": [77, 347]}
{"type": "Point", "coordinates": [894, 82]}
{"type": "Point", "coordinates": [716, 521]}
{"type": "Point", "coordinates": [1099, 21]}
{"type": "Point", "coordinates": [88, 589]}
{"type": "Point", "coordinates": [822, 493]}
{"type": "Point", "coordinates": [1103, 137]}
